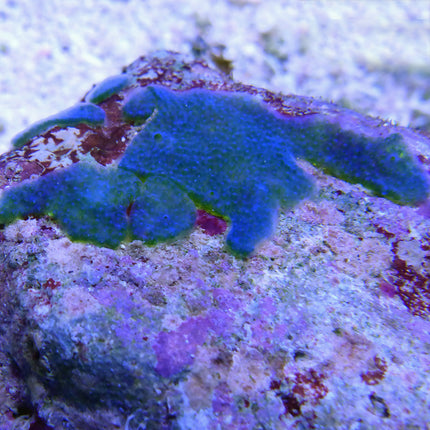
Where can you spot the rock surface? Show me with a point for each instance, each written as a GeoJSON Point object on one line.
{"type": "Point", "coordinates": [326, 325]}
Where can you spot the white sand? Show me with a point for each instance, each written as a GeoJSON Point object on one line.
{"type": "Point", "coordinates": [373, 55]}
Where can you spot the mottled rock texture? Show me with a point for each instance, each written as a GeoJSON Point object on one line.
{"type": "Point", "coordinates": [325, 325]}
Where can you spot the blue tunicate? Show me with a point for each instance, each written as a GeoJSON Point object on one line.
{"type": "Point", "coordinates": [161, 212]}
{"type": "Point", "coordinates": [28, 198]}
{"type": "Point", "coordinates": [382, 165]}
{"type": "Point", "coordinates": [236, 158]}
{"type": "Point", "coordinates": [225, 153]}
{"type": "Point", "coordinates": [103, 206]}
{"type": "Point", "coordinates": [140, 105]}
{"type": "Point", "coordinates": [81, 113]}
{"type": "Point", "coordinates": [89, 203]}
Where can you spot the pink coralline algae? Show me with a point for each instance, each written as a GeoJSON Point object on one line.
{"type": "Point", "coordinates": [325, 325]}
{"type": "Point", "coordinates": [175, 350]}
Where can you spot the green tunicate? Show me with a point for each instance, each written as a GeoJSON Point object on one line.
{"type": "Point", "coordinates": [81, 113]}
{"type": "Point", "coordinates": [107, 88]}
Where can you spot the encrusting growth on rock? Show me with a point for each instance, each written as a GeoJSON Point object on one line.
{"type": "Point", "coordinates": [227, 153]}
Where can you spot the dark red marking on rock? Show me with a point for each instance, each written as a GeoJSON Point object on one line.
{"type": "Point", "coordinates": [112, 108]}
{"type": "Point", "coordinates": [224, 358]}
{"type": "Point", "coordinates": [128, 211]}
{"type": "Point", "coordinates": [25, 169]}
{"type": "Point", "coordinates": [387, 234]}
{"type": "Point", "coordinates": [423, 159]}
{"type": "Point", "coordinates": [50, 283]}
{"type": "Point", "coordinates": [413, 288]}
{"type": "Point", "coordinates": [379, 406]}
{"type": "Point", "coordinates": [108, 143]}
{"type": "Point", "coordinates": [291, 404]}
{"type": "Point", "coordinates": [275, 385]}
{"type": "Point", "coordinates": [60, 153]}
{"type": "Point", "coordinates": [211, 224]}
{"type": "Point", "coordinates": [51, 134]}
{"type": "Point", "coordinates": [376, 373]}
{"type": "Point", "coordinates": [106, 148]}
{"type": "Point", "coordinates": [74, 156]}
{"type": "Point", "coordinates": [29, 151]}
{"type": "Point", "coordinates": [82, 129]}
{"type": "Point", "coordinates": [309, 385]}
{"type": "Point", "coordinates": [387, 289]}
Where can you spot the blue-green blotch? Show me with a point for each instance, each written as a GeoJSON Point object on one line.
{"type": "Point", "coordinates": [225, 151]}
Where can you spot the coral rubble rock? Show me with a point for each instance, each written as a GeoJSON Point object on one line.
{"type": "Point", "coordinates": [325, 325]}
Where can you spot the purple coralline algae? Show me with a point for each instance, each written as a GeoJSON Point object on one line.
{"type": "Point", "coordinates": [325, 325]}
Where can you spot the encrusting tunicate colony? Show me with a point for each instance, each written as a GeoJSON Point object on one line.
{"type": "Point", "coordinates": [227, 153]}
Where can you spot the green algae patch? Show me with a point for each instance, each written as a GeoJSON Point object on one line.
{"type": "Point", "coordinates": [107, 88]}
{"type": "Point", "coordinates": [81, 113]}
